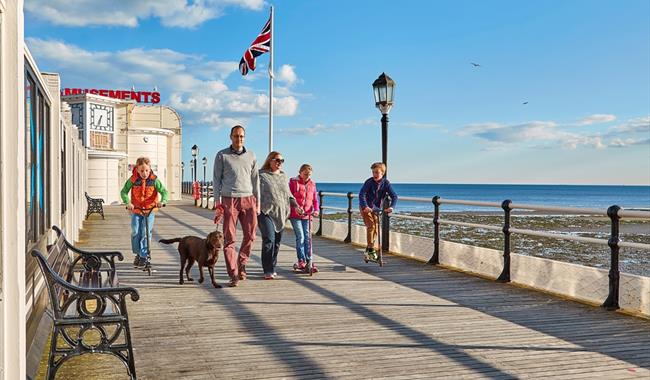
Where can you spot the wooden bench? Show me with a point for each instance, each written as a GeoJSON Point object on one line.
{"type": "Point", "coordinates": [94, 206]}
{"type": "Point", "coordinates": [88, 306]}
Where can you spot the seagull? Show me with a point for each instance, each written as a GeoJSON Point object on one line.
{"type": "Point", "coordinates": [475, 64]}
{"type": "Point", "coordinates": [526, 102]}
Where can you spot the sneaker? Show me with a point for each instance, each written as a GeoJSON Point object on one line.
{"type": "Point", "coordinates": [314, 269]}
{"type": "Point", "coordinates": [233, 283]}
{"type": "Point", "coordinates": [142, 262]}
{"type": "Point", "coordinates": [242, 272]}
{"type": "Point", "coordinates": [136, 261]}
{"type": "Point", "coordinates": [275, 275]}
{"type": "Point", "coordinates": [301, 265]}
{"type": "Point", "coordinates": [268, 276]}
{"type": "Point", "coordinates": [372, 254]}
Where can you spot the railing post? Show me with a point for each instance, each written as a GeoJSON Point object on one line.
{"type": "Point", "coordinates": [435, 259]}
{"type": "Point", "coordinates": [385, 225]}
{"type": "Point", "coordinates": [505, 274]}
{"type": "Point", "coordinates": [348, 238]}
{"type": "Point", "coordinates": [320, 214]}
{"type": "Point", "coordinates": [611, 303]}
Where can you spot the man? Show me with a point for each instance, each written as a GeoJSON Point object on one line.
{"type": "Point", "coordinates": [236, 195]}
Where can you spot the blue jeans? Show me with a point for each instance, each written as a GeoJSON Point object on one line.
{"type": "Point", "coordinates": [303, 238]}
{"type": "Point", "coordinates": [270, 243]}
{"type": "Point", "coordinates": [138, 233]}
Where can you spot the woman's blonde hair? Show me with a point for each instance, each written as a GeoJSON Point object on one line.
{"type": "Point", "coordinates": [271, 156]}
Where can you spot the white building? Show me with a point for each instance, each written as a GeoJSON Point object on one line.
{"type": "Point", "coordinates": [117, 132]}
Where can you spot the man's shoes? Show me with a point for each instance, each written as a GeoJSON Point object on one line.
{"type": "Point", "coordinates": [268, 276]}
{"type": "Point", "coordinates": [136, 261]}
{"type": "Point", "coordinates": [233, 283]}
{"type": "Point", "coordinates": [142, 262]}
{"type": "Point", "coordinates": [242, 272]}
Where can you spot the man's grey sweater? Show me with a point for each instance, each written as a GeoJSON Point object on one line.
{"type": "Point", "coordinates": [235, 174]}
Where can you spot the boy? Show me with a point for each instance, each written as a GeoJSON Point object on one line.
{"type": "Point", "coordinates": [144, 187]}
{"type": "Point", "coordinates": [371, 196]}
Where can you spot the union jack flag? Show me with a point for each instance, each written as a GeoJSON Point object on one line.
{"type": "Point", "coordinates": [260, 45]}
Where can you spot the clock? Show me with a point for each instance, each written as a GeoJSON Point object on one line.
{"type": "Point", "coordinates": [101, 117]}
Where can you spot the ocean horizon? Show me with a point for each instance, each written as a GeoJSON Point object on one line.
{"type": "Point", "coordinates": [581, 196]}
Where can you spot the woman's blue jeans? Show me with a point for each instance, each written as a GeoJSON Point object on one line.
{"type": "Point", "coordinates": [139, 233]}
{"type": "Point", "coordinates": [270, 243]}
{"type": "Point", "coordinates": [303, 238]}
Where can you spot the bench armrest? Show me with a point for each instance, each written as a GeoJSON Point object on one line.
{"type": "Point", "coordinates": [78, 289]}
{"type": "Point", "coordinates": [108, 254]}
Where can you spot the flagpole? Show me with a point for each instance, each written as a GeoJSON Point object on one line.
{"type": "Point", "coordinates": [271, 86]}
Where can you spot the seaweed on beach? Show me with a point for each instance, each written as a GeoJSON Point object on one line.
{"type": "Point", "coordinates": [634, 261]}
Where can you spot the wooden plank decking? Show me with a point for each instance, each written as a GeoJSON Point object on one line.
{"type": "Point", "coordinates": [352, 320]}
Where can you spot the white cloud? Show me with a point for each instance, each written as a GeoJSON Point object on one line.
{"type": "Point", "coordinates": [416, 125]}
{"type": "Point", "coordinates": [172, 13]}
{"type": "Point", "coordinates": [287, 74]}
{"type": "Point", "coordinates": [636, 125]}
{"type": "Point", "coordinates": [620, 143]}
{"type": "Point", "coordinates": [195, 87]}
{"type": "Point", "coordinates": [322, 128]}
{"type": "Point", "coordinates": [533, 133]}
{"type": "Point", "coordinates": [596, 119]}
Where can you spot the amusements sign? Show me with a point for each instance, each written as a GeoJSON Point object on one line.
{"type": "Point", "coordinates": [139, 96]}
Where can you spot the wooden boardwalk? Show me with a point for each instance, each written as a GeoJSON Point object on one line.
{"type": "Point", "coordinates": [352, 320]}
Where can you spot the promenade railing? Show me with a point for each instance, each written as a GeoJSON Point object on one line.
{"type": "Point", "coordinates": [614, 213]}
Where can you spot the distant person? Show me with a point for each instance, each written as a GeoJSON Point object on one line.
{"type": "Point", "coordinates": [237, 196]}
{"type": "Point", "coordinates": [276, 201]}
{"type": "Point", "coordinates": [371, 196]}
{"type": "Point", "coordinates": [304, 191]}
{"type": "Point", "coordinates": [144, 187]}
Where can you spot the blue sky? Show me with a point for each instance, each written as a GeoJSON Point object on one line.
{"type": "Point", "coordinates": [582, 66]}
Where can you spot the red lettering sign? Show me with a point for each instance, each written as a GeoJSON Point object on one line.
{"type": "Point", "coordinates": [138, 96]}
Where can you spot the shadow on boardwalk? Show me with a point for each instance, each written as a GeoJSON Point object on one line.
{"type": "Point", "coordinates": [405, 320]}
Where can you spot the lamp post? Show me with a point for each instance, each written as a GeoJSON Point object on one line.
{"type": "Point", "coordinates": [384, 89]}
{"type": "Point", "coordinates": [204, 161]}
{"type": "Point", "coordinates": [195, 152]}
{"type": "Point", "coordinates": [182, 175]}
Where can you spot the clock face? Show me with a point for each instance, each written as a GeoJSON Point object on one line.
{"type": "Point", "coordinates": [101, 117]}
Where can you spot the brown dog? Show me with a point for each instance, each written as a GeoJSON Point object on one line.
{"type": "Point", "coordinates": [204, 251]}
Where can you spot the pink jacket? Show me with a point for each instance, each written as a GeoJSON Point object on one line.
{"type": "Point", "coordinates": [306, 197]}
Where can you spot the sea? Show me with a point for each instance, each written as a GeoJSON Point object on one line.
{"type": "Point", "coordinates": [581, 196]}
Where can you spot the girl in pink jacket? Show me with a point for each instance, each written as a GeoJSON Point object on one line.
{"type": "Point", "coordinates": [304, 191]}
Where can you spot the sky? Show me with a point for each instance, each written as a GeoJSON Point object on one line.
{"type": "Point", "coordinates": [561, 94]}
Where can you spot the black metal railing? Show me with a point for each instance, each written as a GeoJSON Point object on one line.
{"type": "Point", "coordinates": [615, 214]}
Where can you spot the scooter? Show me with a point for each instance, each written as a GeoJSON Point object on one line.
{"type": "Point", "coordinates": [309, 265]}
{"type": "Point", "coordinates": [380, 260]}
{"type": "Point", "coordinates": [146, 212]}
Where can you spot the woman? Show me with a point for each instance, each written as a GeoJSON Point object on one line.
{"type": "Point", "coordinates": [275, 202]}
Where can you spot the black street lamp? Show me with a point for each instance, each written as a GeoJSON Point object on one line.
{"type": "Point", "coordinates": [182, 175]}
{"type": "Point", "coordinates": [384, 89]}
{"type": "Point", "coordinates": [195, 152]}
{"type": "Point", "coordinates": [204, 161]}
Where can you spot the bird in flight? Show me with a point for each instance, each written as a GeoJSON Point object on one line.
{"type": "Point", "coordinates": [475, 64]}
{"type": "Point", "coordinates": [526, 102]}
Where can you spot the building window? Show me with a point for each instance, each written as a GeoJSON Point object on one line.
{"type": "Point", "coordinates": [30, 144]}
{"type": "Point", "coordinates": [37, 157]}
{"type": "Point", "coordinates": [63, 170]}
